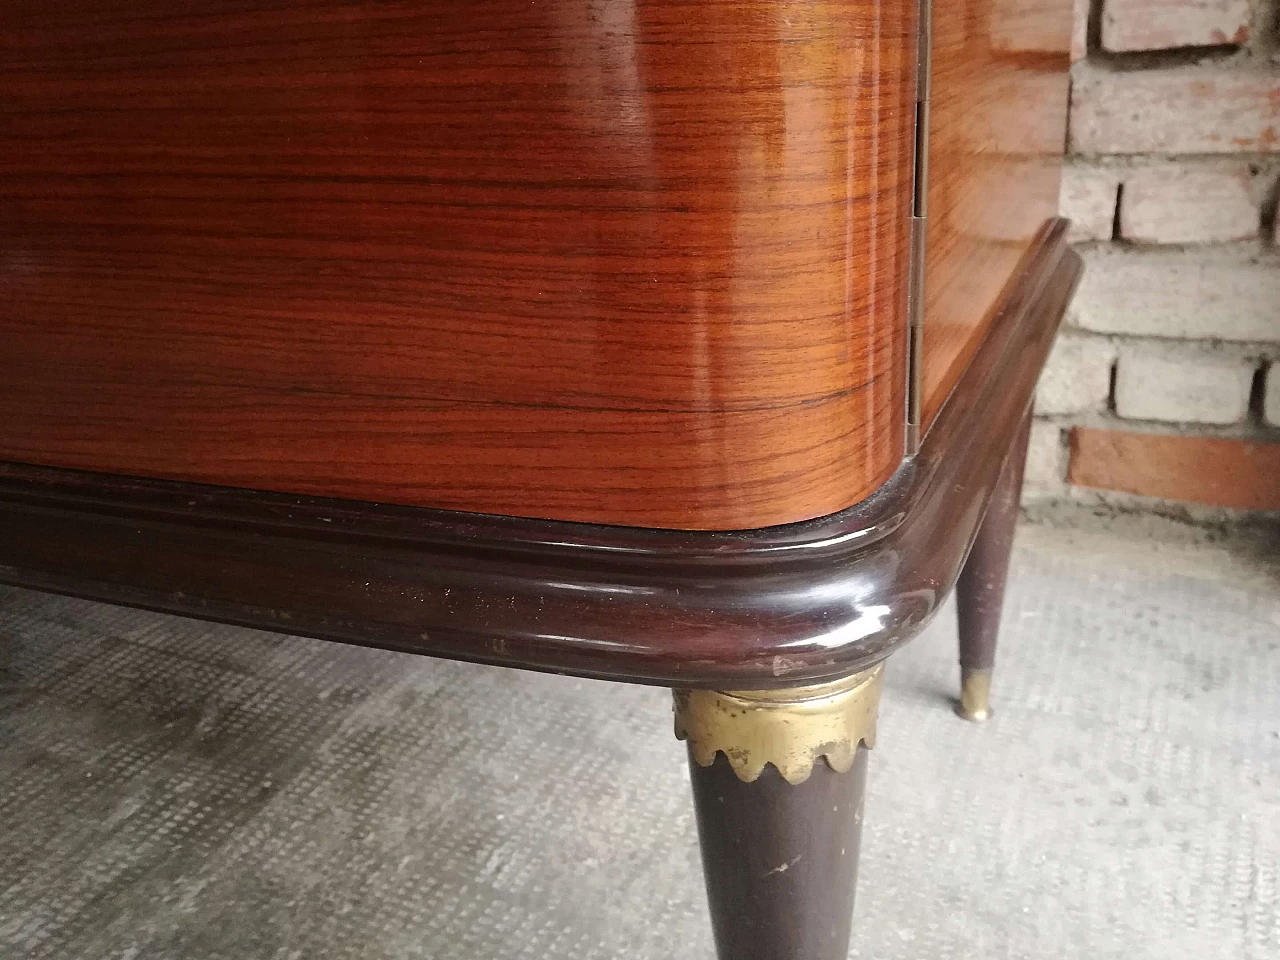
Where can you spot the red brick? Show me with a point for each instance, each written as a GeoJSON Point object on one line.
{"type": "Point", "coordinates": [1175, 110]}
{"type": "Point", "coordinates": [1242, 474]}
{"type": "Point", "coordinates": [1164, 24]}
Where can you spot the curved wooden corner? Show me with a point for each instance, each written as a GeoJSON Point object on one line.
{"type": "Point", "coordinates": [633, 263]}
{"type": "Point", "coordinates": [765, 608]}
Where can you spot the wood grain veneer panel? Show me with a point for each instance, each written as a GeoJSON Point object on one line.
{"type": "Point", "coordinates": [625, 263]}
{"type": "Point", "coordinates": [997, 133]}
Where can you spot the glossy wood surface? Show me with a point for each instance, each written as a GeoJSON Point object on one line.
{"type": "Point", "coordinates": [980, 589]}
{"type": "Point", "coordinates": [623, 263]}
{"type": "Point", "coordinates": [780, 859]}
{"type": "Point", "coordinates": [734, 610]}
{"type": "Point", "coordinates": [997, 130]}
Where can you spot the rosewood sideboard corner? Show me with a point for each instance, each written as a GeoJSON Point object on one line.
{"type": "Point", "coordinates": [682, 342]}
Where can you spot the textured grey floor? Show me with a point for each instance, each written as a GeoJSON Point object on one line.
{"type": "Point", "coordinates": [171, 789]}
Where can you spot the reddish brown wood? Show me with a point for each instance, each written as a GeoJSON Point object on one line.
{"type": "Point", "coordinates": [997, 122]}
{"type": "Point", "coordinates": [625, 263]}
{"type": "Point", "coordinates": [764, 608]}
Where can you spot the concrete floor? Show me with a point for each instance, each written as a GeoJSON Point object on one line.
{"type": "Point", "coordinates": [173, 789]}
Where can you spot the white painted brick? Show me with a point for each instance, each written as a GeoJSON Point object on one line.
{"type": "Point", "coordinates": [1088, 199]}
{"type": "Point", "coordinates": [1046, 460]}
{"type": "Point", "coordinates": [1271, 396]}
{"type": "Point", "coordinates": [1184, 294]}
{"type": "Point", "coordinates": [1190, 203]}
{"type": "Point", "coordinates": [1195, 109]}
{"type": "Point", "coordinates": [1165, 24]}
{"type": "Point", "coordinates": [1079, 30]}
{"type": "Point", "coordinates": [1182, 383]}
{"type": "Point", "coordinates": [1077, 376]}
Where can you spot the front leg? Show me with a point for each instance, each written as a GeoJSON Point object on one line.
{"type": "Point", "coordinates": [778, 780]}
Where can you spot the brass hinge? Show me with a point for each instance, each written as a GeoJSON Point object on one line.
{"type": "Point", "coordinates": [919, 219]}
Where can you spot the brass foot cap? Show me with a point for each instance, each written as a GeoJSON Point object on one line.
{"type": "Point", "coordinates": [975, 695]}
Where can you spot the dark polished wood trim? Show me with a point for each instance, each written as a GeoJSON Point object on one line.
{"type": "Point", "coordinates": [781, 859]}
{"type": "Point", "coordinates": [772, 607]}
{"type": "Point", "coordinates": [980, 589]}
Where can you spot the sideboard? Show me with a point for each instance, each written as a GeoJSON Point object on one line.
{"type": "Point", "coordinates": [680, 342]}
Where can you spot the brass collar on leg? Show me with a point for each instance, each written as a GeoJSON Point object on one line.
{"type": "Point", "coordinates": [789, 728]}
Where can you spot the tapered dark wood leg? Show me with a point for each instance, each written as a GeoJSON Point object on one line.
{"type": "Point", "coordinates": [778, 781]}
{"type": "Point", "coordinates": [980, 590]}
{"type": "Point", "coordinates": [781, 859]}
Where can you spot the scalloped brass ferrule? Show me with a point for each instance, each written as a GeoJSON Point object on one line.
{"type": "Point", "coordinates": [790, 729]}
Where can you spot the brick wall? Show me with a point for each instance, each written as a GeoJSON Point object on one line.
{"type": "Point", "coordinates": [1165, 382]}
